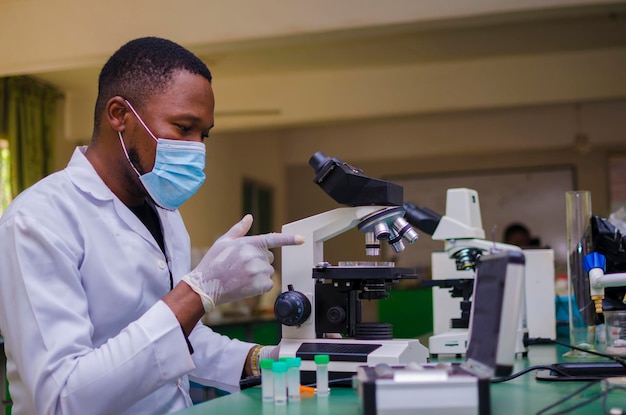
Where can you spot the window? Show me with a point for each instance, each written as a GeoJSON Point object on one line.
{"type": "Point", "coordinates": [5, 177]}
{"type": "Point", "coordinates": [257, 200]}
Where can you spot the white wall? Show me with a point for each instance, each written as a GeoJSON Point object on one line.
{"type": "Point", "coordinates": [513, 138]}
{"type": "Point", "coordinates": [43, 35]}
{"type": "Point", "coordinates": [464, 133]}
{"type": "Point", "coordinates": [455, 144]}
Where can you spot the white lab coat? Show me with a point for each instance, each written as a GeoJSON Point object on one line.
{"type": "Point", "coordinates": [80, 285]}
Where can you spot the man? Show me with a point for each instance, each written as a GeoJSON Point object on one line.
{"type": "Point", "coordinates": [518, 234]}
{"type": "Point", "coordinates": [98, 306]}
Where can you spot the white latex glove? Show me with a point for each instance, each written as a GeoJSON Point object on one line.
{"type": "Point", "coordinates": [270, 352]}
{"type": "Point", "coordinates": [237, 266]}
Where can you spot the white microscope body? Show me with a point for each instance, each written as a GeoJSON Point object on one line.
{"type": "Point", "coordinates": [464, 240]}
{"type": "Point", "coordinates": [320, 306]}
{"type": "Point", "coordinates": [303, 339]}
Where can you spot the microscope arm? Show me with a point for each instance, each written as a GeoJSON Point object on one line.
{"type": "Point", "coordinates": [298, 261]}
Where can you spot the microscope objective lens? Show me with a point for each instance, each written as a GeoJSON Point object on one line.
{"type": "Point", "coordinates": [372, 245]}
{"type": "Point", "coordinates": [382, 231]}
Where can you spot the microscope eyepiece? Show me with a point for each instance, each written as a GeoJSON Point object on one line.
{"type": "Point", "coordinates": [349, 185]}
{"type": "Point", "coordinates": [318, 161]}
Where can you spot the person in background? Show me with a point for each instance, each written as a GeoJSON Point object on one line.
{"type": "Point", "coordinates": [98, 305]}
{"type": "Point", "coordinates": [518, 234]}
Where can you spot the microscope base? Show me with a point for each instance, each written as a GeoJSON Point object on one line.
{"type": "Point", "coordinates": [455, 342]}
{"type": "Point", "coordinates": [451, 342]}
{"type": "Point", "coordinates": [346, 355]}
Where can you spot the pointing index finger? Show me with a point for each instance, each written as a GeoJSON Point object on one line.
{"type": "Point", "coordinates": [275, 240]}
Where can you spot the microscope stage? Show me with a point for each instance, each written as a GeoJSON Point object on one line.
{"type": "Point", "coordinates": [362, 273]}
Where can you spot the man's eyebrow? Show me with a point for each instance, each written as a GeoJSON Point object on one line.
{"type": "Point", "coordinates": [192, 118]}
{"type": "Point", "coordinates": [188, 117]}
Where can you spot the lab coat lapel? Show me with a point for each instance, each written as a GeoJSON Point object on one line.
{"type": "Point", "coordinates": [85, 177]}
{"type": "Point", "coordinates": [177, 242]}
{"type": "Point", "coordinates": [133, 222]}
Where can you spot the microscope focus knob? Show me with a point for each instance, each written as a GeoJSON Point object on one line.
{"type": "Point", "coordinates": [336, 315]}
{"type": "Point", "coordinates": [292, 308]}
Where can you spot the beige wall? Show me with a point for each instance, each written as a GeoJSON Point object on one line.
{"type": "Point", "coordinates": [91, 31]}
{"type": "Point", "coordinates": [428, 144]}
{"type": "Point", "coordinates": [494, 140]}
{"type": "Point", "coordinates": [513, 109]}
{"type": "Point", "coordinates": [513, 138]}
{"type": "Point", "coordinates": [505, 139]}
{"type": "Point", "coordinates": [231, 158]}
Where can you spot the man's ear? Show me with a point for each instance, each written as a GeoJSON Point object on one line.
{"type": "Point", "coordinates": [115, 113]}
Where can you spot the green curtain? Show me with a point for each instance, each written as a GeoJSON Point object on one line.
{"type": "Point", "coordinates": [27, 121]}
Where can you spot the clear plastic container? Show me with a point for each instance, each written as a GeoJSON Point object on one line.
{"type": "Point", "coordinates": [582, 315]}
{"type": "Point", "coordinates": [267, 379]}
{"type": "Point", "coordinates": [279, 370]}
{"type": "Point", "coordinates": [615, 323]}
{"type": "Point", "coordinates": [321, 373]}
{"type": "Point", "coordinates": [293, 378]}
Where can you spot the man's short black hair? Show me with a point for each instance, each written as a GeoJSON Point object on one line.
{"type": "Point", "coordinates": [142, 68]}
{"type": "Point", "coordinates": [515, 228]}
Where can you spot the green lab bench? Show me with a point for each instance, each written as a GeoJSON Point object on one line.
{"type": "Point", "coordinates": [521, 396]}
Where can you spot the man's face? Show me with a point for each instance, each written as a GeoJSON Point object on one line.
{"type": "Point", "coordinates": [519, 238]}
{"type": "Point", "coordinates": [183, 112]}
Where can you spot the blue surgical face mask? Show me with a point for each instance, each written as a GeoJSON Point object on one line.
{"type": "Point", "coordinates": [178, 170]}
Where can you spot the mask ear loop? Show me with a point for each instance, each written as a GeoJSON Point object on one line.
{"type": "Point", "coordinates": [141, 121]}
{"type": "Point", "coordinates": [122, 139]}
{"type": "Point", "coordinates": [119, 134]}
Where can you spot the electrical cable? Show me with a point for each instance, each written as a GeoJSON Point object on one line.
{"type": "Point", "coordinates": [602, 394]}
{"type": "Point", "coordinates": [528, 369]}
{"type": "Point", "coordinates": [339, 380]}
{"type": "Point", "coordinates": [615, 358]}
{"type": "Point", "coordinates": [612, 411]}
{"type": "Point", "coordinates": [542, 340]}
{"type": "Point", "coordinates": [570, 396]}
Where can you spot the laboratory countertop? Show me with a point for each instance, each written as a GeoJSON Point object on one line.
{"type": "Point", "coordinates": [522, 395]}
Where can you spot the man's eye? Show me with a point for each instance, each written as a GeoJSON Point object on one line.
{"type": "Point", "coordinates": [184, 128]}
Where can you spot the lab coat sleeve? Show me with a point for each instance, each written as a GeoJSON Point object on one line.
{"type": "Point", "coordinates": [49, 332]}
{"type": "Point", "coordinates": [219, 359]}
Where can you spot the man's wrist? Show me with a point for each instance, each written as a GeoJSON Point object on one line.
{"type": "Point", "coordinates": [193, 281]}
{"type": "Point", "coordinates": [186, 306]}
{"type": "Point", "coordinates": [251, 367]}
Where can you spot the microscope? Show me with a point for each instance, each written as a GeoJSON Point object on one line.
{"type": "Point", "coordinates": [605, 268]}
{"type": "Point", "coordinates": [320, 303]}
{"type": "Point", "coordinates": [454, 387]}
{"type": "Point", "coordinates": [597, 287]}
{"type": "Point", "coordinates": [454, 270]}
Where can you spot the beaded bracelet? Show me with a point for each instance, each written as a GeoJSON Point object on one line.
{"type": "Point", "coordinates": [254, 361]}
